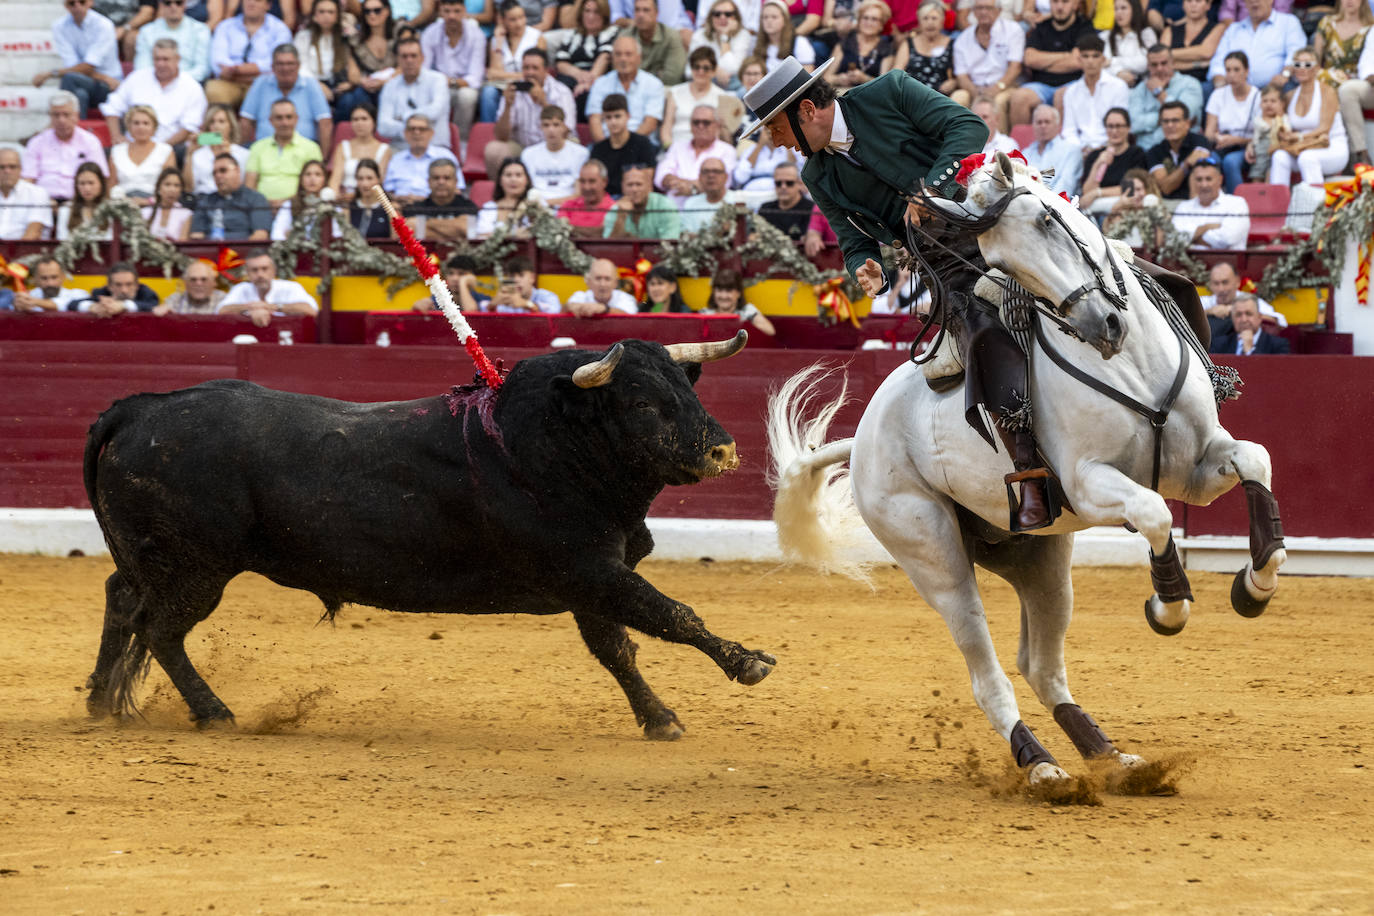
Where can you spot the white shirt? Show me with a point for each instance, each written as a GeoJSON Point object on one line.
{"type": "Point", "coordinates": [283, 292]}
{"type": "Point", "coordinates": [1265, 309]}
{"type": "Point", "coordinates": [64, 297]}
{"type": "Point", "coordinates": [1084, 110]}
{"type": "Point", "coordinates": [985, 66]}
{"type": "Point", "coordinates": [998, 143]}
{"type": "Point", "coordinates": [428, 96]}
{"type": "Point", "coordinates": [801, 50]}
{"type": "Point", "coordinates": [180, 105]}
{"type": "Point", "coordinates": [1234, 117]}
{"type": "Point", "coordinates": [1232, 212]}
{"type": "Point", "coordinates": [27, 203]}
{"type": "Point", "coordinates": [684, 160]}
{"type": "Point", "coordinates": [554, 174]}
{"type": "Point", "coordinates": [621, 301]}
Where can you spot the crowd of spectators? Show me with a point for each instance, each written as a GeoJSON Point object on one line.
{"type": "Point", "coordinates": [227, 117]}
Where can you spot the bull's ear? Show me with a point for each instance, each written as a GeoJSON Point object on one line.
{"type": "Point", "coordinates": [572, 400]}
{"type": "Point", "coordinates": [693, 371]}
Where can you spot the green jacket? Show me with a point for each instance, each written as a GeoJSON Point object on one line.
{"type": "Point", "coordinates": [904, 131]}
{"type": "Point", "coordinates": [664, 57]}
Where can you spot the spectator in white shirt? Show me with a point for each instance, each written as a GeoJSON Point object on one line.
{"type": "Point", "coordinates": [521, 109]}
{"type": "Point", "coordinates": [263, 296]}
{"type": "Point", "coordinates": [48, 294]}
{"type": "Point", "coordinates": [1088, 98]}
{"type": "Point", "coordinates": [998, 142]}
{"type": "Point", "coordinates": [1128, 40]}
{"type": "Point", "coordinates": [987, 57]}
{"type": "Point", "coordinates": [192, 39]}
{"type": "Point", "coordinates": [175, 97]}
{"type": "Point", "coordinates": [602, 294]}
{"type": "Point", "coordinates": [455, 47]}
{"type": "Point", "coordinates": [25, 208]}
{"type": "Point", "coordinates": [414, 90]}
{"type": "Point", "coordinates": [554, 164]}
{"type": "Point", "coordinates": [1212, 219]}
{"type": "Point", "coordinates": [89, 50]}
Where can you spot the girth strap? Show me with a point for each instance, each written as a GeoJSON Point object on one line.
{"type": "Point", "coordinates": [1157, 418]}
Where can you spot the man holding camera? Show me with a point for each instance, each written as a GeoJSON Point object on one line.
{"type": "Point", "coordinates": [518, 118]}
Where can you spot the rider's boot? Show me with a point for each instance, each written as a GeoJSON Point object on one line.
{"type": "Point", "coordinates": [1033, 509]}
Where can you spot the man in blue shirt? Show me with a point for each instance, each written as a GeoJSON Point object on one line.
{"type": "Point", "coordinates": [192, 38]}
{"type": "Point", "coordinates": [86, 43]}
{"type": "Point", "coordinates": [315, 119]}
{"type": "Point", "coordinates": [643, 91]}
{"type": "Point", "coordinates": [1051, 151]}
{"type": "Point", "coordinates": [407, 175]}
{"type": "Point", "coordinates": [241, 51]}
{"type": "Point", "coordinates": [1161, 84]}
{"type": "Point", "coordinates": [1269, 39]}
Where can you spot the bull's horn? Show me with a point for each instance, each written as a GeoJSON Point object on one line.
{"type": "Point", "coordinates": [1004, 164]}
{"type": "Point", "coordinates": [706, 352]}
{"type": "Point", "coordinates": [594, 375]}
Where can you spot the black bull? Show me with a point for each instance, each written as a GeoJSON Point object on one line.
{"type": "Point", "coordinates": [530, 499]}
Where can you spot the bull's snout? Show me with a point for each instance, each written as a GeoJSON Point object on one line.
{"type": "Point", "coordinates": [720, 459]}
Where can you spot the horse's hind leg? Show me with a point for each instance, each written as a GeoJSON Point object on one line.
{"type": "Point", "coordinates": [1257, 581]}
{"type": "Point", "coordinates": [612, 646]}
{"type": "Point", "coordinates": [121, 601]}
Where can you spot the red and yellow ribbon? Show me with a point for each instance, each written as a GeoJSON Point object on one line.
{"type": "Point", "coordinates": [17, 273]}
{"type": "Point", "coordinates": [635, 276]}
{"type": "Point", "coordinates": [226, 260]}
{"type": "Point", "coordinates": [831, 295]}
{"type": "Point", "coordinates": [1339, 193]}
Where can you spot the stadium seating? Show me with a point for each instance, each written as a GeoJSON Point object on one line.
{"type": "Point", "coordinates": [475, 163]}
{"type": "Point", "coordinates": [1023, 135]}
{"type": "Point", "coordinates": [481, 190]}
{"type": "Point", "coordinates": [1268, 209]}
{"type": "Point", "coordinates": [98, 127]}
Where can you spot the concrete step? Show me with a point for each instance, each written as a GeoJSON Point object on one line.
{"type": "Point", "coordinates": [23, 111]}
{"type": "Point", "coordinates": [25, 53]}
{"type": "Point", "coordinates": [37, 14]}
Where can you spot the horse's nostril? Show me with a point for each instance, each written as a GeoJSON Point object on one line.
{"type": "Point", "coordinates": [1113, 323]}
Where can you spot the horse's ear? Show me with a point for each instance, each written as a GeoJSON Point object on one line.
{"type": "Point", "coordinates": [1005, 167]}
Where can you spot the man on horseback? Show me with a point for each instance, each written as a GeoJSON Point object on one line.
{"type": "Point", "coordinates": [867, 157]}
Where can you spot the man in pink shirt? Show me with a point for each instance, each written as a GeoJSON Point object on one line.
{"type": "Point", "coordinates": [52, 157]}
{"type": "Point", "coordinates": [587, 211]}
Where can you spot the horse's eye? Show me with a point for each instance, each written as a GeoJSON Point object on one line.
{"type": "Point", "coordinates": [1046, 219]}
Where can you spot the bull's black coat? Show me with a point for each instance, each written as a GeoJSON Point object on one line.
{"type": "Point", "coordinates": [529, 499]}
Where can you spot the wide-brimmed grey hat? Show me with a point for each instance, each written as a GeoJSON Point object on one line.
{"type": "Point", "coordinates": [771, 95]}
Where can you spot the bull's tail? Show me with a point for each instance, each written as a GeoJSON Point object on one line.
{"type": "Point", "coordinates": [814, 507]}
{"type": "Point", "coordinates": [128, 673]}
{"type": "Point", "coordinates": [99, 435]}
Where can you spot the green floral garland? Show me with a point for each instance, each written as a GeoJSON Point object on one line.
{"type": "Point", "coordinates": [555, 236]}
{"type": "Point", "coordinates": [1333, 231]}
{"type": "Point", "coordinates": [140, 245]}
{"type": "Point", "coordinates": [1151, 223]}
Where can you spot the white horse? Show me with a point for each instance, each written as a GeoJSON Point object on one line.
{"type": "Point", "coordinates": [931, 489]}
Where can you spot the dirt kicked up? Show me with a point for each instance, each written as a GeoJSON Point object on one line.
{"type": "Point", "coordinates": [429, 764]}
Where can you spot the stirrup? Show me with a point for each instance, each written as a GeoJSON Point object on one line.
{"type": "Point", "coordinates": [1028, 474]}
{"type": "Point", "coordinates": [1053, 506]}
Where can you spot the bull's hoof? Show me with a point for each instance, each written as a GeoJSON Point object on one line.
{"type": "Point", "coordinates": [666, 729]}
{"type": "Point", "coordinates": [1160, 628]}
{"type": "Point", "coordinates": [755, 668]}
{"type": "Point", "coordinates": [1246, 604]}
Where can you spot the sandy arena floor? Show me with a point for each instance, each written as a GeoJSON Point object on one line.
{"type": "Point", "coordinates": [428, 764]}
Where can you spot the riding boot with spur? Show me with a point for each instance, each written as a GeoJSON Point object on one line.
{"type": "Point", "coordinates": [1033, 510]}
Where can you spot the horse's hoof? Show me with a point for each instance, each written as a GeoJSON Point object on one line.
{"type": "Point", "coordinates": [1155, 625]}
{"type": "Point", "coordinates": [1129, 761]}
{"type": "Point", "coordinates": [1246, 604]}
{"type": "Point", "coordinates": [668, 729]}
{"type": "Point", "coordinates": [97, 705]}
{"type": "Point", "coordinates": [218, 721]}
{"type": "Point", "coordinates": [1047, 775]}
{"type": "Point", "coordinates": [755, 668]}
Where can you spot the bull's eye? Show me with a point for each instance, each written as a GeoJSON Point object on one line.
{"type": "Point", "coordinates": [641, 404]}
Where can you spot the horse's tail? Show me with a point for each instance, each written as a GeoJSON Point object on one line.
{"type": "Point", "coordinates": [814, 507]}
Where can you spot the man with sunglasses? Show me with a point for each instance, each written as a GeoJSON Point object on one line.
{"type": "Point", "coordinates": [680, 166]}
{"type": "Point", "coordinates": [192, 38]}
{"type": "Point", "coordinates": [790, 210]}
{"type": "Point", "coordinates": [86, 43]}
{"type": "Point", "coordinates": [1172, 159]}
{"type": "Point", "coordinates": [241, 51]}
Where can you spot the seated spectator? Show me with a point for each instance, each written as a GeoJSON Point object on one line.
{"type": "Point", "coordinates": [927, 54]}
{"type": "Point", "coordinates": [661, 293]}
{"type": "Point", "coordinates": [988, 57]}
{"type": "Point", "coordinates": [585, 53]}
{"type": "Point", "coordinates": [47, 294]}
{"type": "Point", "coordinates": [515, 194]}
{"type": "Point", "coordinates": [554, 164]}
{"type": "Point", "coordinates": [517, 294]}
{"type": "Point", "coordinates": [460, 276]}
{"type": "Point", "coordinates": [1173, 158]}
{"type": "Point", "coordinates": [136, 163]}
{"type": "Point", "coordinates": [680, 166]}
{"type": "Point", "coordinates": [790, 210]}
{"type": "Point", "coordinates": [1139, 191]}
{"type": "Point", "coordinates": [314, 117]}
{"type": "Point", "coordinates": [455, 48]}
{"type": "Point", "coordinates": [670, 12]}
{"type": "Point", "coordinates": [1340, 40]}
{"type": "Point", "coordinates": [86, 44]}
{"type": "Point", "coordinates": [757, 158]}
{"type": "Point", "coordinates": [587, 211]}
{"type": "Point", "coordinates": [91, 192]}
{"type": "Point", "coordinates": [374, 56]}
{"type": "Point", "coordinates": [1231, 112]}
{"type": "Point", "coordinates": [1213, 219]}
{"type": "Point", "coordinates": [53, 154]}
{"type": "Point", "coordinates": [1193, 39]}
{"type": "Point", "coordinates": [722, 31]}
{"type": "Point", "coordinates": [414, 15]}
{"type": "Point", "coordinates": [778, 39]}
{"type": "Point", "coordinates": [750, 72]}
{"type": "Point", "coordinates": [643, 93]}
{"type": "Point", "coordinates": [121, 293]}
{"type": "Point", "coordinates": [1356, 94]}
{"type": "Point", "coordinates": [1104, 169]}
{"type": "Point", "coordinates": [641, 213]}
{"type": "Point", "coordinates": [1051, 150]}
{"type": "Point", "coordinates": [603, 293]}
{"type": "Point", "coordinates": [176, 100]}
{"type": "Point", "coordinates": [865, 53]}
{"type": "Point", "coordinates": [505, 62]}
{"type": "Point", "coordinates": [998, 142]}
{"type": "Point", "coordinates": [414, 89]}
{"type": "Point", "coordinates": [520, 112]}
{"type": "Point", "coordinates": [1160, 86]}
{"type": "Point", "coordinates": [241, 51]}
{"type": "Point", "coordinates": [1248, 337]}
{"type": "Point", "coordinates": [1223, 284]}
{"type": "Point", "coordinates": [262, 296]}
{"type": "Point", "coordinates": [365, 211]}
{"type": "Point", "coordinates": [231, 211]}
{"type": "Point", "coordinates": [309, 189]}
{"type": "Point", "coordinates": [1315, 138]}
{"type": "Point", "coordinates": [325, 55]}
{"type": "Point", "coordinates": [699, 210]}
{"type": "Point", "coordinates": [1050, 58]}
{"type": "Point", "coordinates": [167, 217]}
{"type": "Point", "coordinates": [275, 162]}
{"type": "Point", "coordinates": [364, 144]}
{"type": "Point", "coordinates": [407, 176]}
{"type": "Point", "coordinates": [191, 37]}
{"type": "Point", "coordinates": [684, 98]}
{"type": "Point", "coordinates": [199, 294]}
{"type": "Point", "coordinates": [25, 208]}
{"type": "Point", "coordinates": [1268, 38]}
{"type": "Point", "coordinates": [446, 213]}
{"type": "Point", "coordinates": [219, 133]}
{"type": "Point", "coordinates": [1088, 98]}
{"type": "Point", "coordinates": [620, 148]}
{"type": "Point", "coordinates": [662, 49]}
{"type": "Point", "coordinates": [727, 298]}
{"type": "Point", "coordinates": [1127, 41]}
{"type": "Point", "coordinates": [1264, 137]}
